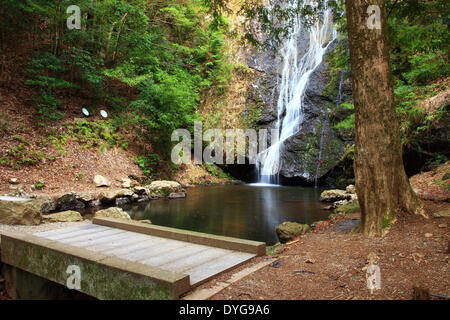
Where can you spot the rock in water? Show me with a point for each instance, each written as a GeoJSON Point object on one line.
{"type": "Point", "coordinates": [334, 195]}
{"type": "Point", "coordinates": [65, 216]}
{"type": "Point", "coordinates": [114, 212]}
{"type": "Point", "coordinates": [287, 231]}
{"type": "Point", "coordinates": [69, 201]}
{"type": "Point", "coordinates": [101, 181]}
{"type": "Point", "coordinates": [21, 212]}
{"type": "Point", "coordinates": [122, 201]}
{"type": "Point", "coordinates": [164, 188]}
{"type": "Point", "coordinates": [177, 195]}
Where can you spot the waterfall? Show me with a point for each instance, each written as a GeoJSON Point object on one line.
{"type": "Point", "coordinates": [294, 80]}
{"type": "Point", "coordinates": [341, 82]}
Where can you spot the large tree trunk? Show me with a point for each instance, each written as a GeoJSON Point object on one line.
{"type": "Point", "coordinates": [381, 182]}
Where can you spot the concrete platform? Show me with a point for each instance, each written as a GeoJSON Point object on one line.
{"type": "Point", "coordinates": [127, 260]}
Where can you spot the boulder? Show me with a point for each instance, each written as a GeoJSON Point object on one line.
{"type": "Point", "coordinates": [143, 198]}
{"type": "Point", "coordinates": [164, 188]}
{"type": "Point", "coordinates": [48, 204]}
{"type": "Point", "coordinates": [126, 183]}
{"type": "Point", "coordinates": [13, 181]}
{"type": "Point", "coordinates": [347, 208]}
{"type": "Point", "coordinates": [65, 216]}
{"type": "Point", "coordinates": [350, 189]}
{"type": "Point", "coordinates": [139, 190]}
{"type": "Point", "coordinates": [101, 181]}
{"type": "Point", "coordinates": [20, 211]}
{"type": "Point", "coordinates": [334, 195]}
{"type": "Point", "coordinates": [122, 201]}
{"type": "Point", "coordinates": [123, 193]}
{"type": "Point", "coordinates": [85, 196]}
{"type": "Point", "coordinates": [94, 203]}
{"type": "Point", "coordinates": [69, 201]}
{"type": "Point", "coordinates": [287, 231]}
{"type": "Point", "coordinates": [108, 197]}
{"type": "Point", "coordinates": [114, 212]}
{"type": "Point", "coordinates": [177, 195]}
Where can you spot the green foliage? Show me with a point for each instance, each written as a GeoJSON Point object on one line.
{"type": "Point", "coordinates": [97, 133]}
{"type": "Point", "coordinates": [148, 163]}
{"type": "Point", "coordinates": [5, 126]}
{"type": "Point", "coordinates": [252, 114]}
{"type": "Point", "coordinates": [347, 125]}
{"type": "Point", "coordinates": [338, 60]}
{"type": "Point", "coordinates": [419, 58]}
{"type": "Point", "coordinates": [215, 171]}
{"type": "Point", "coordinates": [39, 185]}
{"type": "Point", "coordinates": [172, 64]}
{"type": "Point", "coordinates": [47, 72]}
{"type": "Point", "coordinates": [87, 67]}
{"type": "Point", "coordinates": [171, 52]}
{"type": "Point", "coordinates": [21, 155]}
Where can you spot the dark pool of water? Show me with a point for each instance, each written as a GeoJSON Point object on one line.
{"type": "Point", "coordinates": [242, 211]}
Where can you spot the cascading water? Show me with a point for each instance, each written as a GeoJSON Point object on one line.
{"type": "Point", "coordinates": [295, 76]}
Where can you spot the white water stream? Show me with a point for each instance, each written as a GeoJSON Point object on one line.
{"type": "Point", "coordinates": [295, 76]}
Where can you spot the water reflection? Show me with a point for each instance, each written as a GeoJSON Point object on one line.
{"type": "Point", "coordinates": [241, 211]}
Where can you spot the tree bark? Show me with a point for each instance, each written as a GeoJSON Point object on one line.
{"type": "Point", "coordinates": [381, 182]}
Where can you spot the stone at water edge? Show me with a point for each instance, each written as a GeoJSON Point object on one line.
{"type": "Point", "coordinates": [26, 212]}
{"type": "Point", "coordinates": [101, 181]}
{"type": "Point", "coordinates": [111, 196]}
{"type": "Point", "coordinates": [334, 195]}
{"type": "Point", "coordinates": [350, 189]}
{"type": "Point", "coordinates": [114, 212]}
{"type": "Point", "coordinates": [69, 201]}
{"type": "Point", "coordinates": [122, 201]}
{"type": "Point", "coordinates": [164, 188]}
{"type": "Point", "coordinates": [287, 231]}
{"type": "Point", "coordinates": [139, 190]}
{"type": "Point", "coordinates": [65, 216]}
{"type": "Point", "coordinates": [85, 196]}
{"type": "Point", "coordinates": [177, 195]}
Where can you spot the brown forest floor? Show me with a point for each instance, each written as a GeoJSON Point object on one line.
{"type": "Point", "coordinates": [337, 258]}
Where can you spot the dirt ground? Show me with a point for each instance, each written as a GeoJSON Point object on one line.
{"type": "Point", "coordinates": [413, 253]}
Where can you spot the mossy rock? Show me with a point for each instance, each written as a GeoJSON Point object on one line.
{"type": "Point", "coordinates": [350, 208]}
{"type": "Point", "coordinates": [114, 212]}
{"type": "Point", "coordinates": [334, 195]}
{"type": "Point", "coordinates": [21, 212]}
{"type": "Point", "coordinates": [287, 231]}
{"type": "Point", "coordinates": [164, 188]}
{"type": "Point", "coordinates": [65, 216]}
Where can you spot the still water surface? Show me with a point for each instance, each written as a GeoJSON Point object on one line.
{"type": "Point", "coordinates": [242, 211]}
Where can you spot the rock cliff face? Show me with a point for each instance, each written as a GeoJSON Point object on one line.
{"type": "Point", "coordinates": [316, 147]}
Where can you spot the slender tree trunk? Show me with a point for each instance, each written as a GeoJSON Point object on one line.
{"type": "Point", "coordinates": [381, 182]}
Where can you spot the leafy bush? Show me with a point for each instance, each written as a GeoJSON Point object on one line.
{"type": "Point", "coordinates": [148, 163]}
{"type": "Point", "coordinates": [47, 72]}
{"type": "Point", "coordinates": [97, 133]}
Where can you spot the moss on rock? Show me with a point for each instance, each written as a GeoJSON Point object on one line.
{"type": "Point", "coordinates": [287, 231]}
